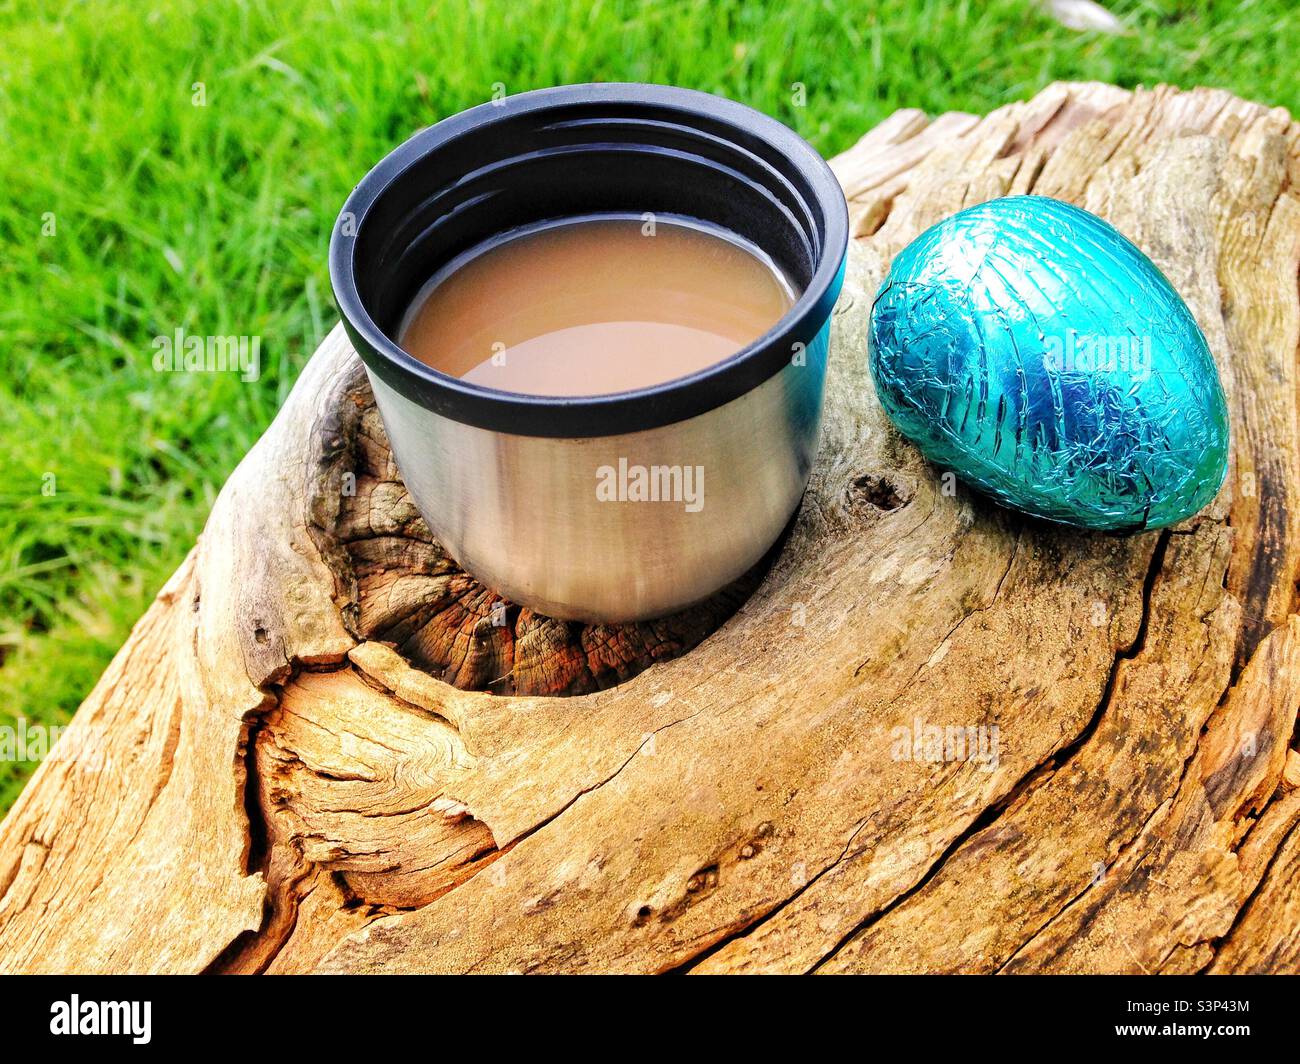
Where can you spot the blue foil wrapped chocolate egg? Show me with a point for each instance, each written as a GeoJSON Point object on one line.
{"type": "Point", "coordinates": [1030, 348]}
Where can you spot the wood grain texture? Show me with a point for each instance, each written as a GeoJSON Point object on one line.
{"type": "Point", "coordinates": [286, 769]}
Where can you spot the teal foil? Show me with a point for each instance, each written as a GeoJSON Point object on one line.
{"type": "Point", "coordinates": [1030, 348]}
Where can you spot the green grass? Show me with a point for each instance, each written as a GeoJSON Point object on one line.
{"type": "Point", "coordinates": [215, 218]}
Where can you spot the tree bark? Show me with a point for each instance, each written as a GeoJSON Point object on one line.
{"type": "Point", "coordinates": [285, 769]}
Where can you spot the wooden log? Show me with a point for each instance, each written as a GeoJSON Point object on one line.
{"type": "Point", "coordinates": [282, 771]}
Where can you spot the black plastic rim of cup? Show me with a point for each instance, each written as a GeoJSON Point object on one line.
{"type": "Point", "coordinates": [582, 150]}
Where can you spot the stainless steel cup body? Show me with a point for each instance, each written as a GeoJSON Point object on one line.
{"type": "Point", "coordinates": [627, 526]}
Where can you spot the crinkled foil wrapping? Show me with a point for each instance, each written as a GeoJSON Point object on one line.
{"type": "Point", "coordinates": [1030, 348]}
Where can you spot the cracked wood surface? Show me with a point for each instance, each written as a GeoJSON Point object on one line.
{"type": "Point", "coordinates": [286, 769]}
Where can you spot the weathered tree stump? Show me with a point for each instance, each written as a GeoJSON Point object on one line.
{"type": "Point", "coordinates": [281, 772]}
